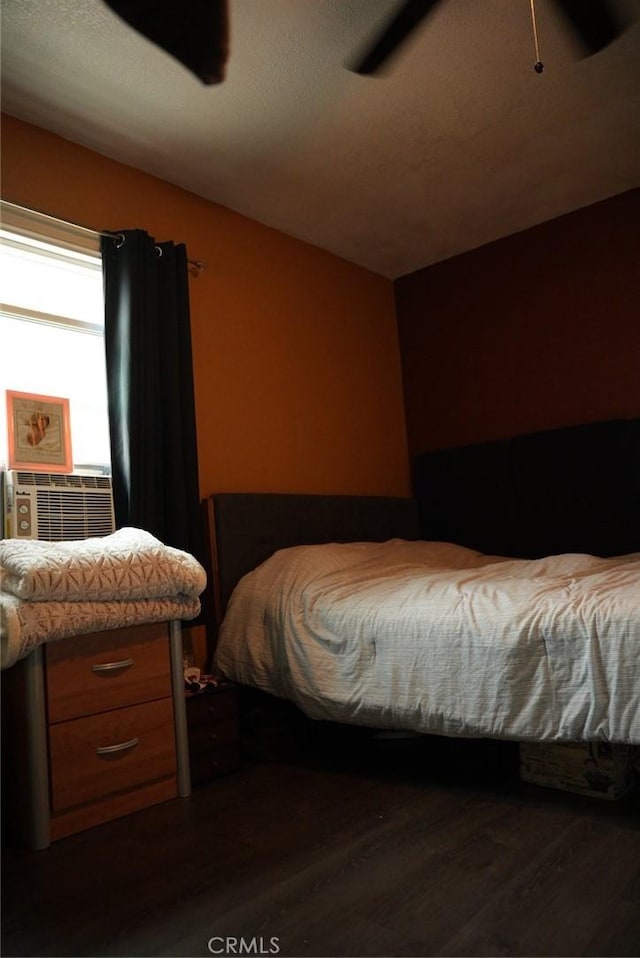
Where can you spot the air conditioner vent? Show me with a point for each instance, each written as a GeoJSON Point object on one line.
{"type": "Point", "coordinates": [58, 507]}
{"type": "Point", "coordinates": [62, 480]}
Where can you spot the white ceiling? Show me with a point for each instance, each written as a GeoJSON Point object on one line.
{"type": "Point", "coordinates": [459, 143]}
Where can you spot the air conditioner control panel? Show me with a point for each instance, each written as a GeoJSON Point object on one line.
{"type": "Point", "coordinates": [23, 510]}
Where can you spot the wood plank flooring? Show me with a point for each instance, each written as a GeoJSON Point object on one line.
{"type": "Point", "coordinates": [413, 848]}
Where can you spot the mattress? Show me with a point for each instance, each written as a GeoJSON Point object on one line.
{"type": "Point", "coordinates": [438, 638]}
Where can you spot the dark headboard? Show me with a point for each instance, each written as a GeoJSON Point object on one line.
{"type": "Point", "coordinates": [244, 529]}
{"type": "Point", "coordinates": [575, 489]}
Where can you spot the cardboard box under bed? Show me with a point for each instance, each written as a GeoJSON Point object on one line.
{"type": "Point", "coordinates": [589, 768]}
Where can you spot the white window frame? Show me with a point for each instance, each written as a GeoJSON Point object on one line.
{"type": "Point", "coordinates": [41, 227]}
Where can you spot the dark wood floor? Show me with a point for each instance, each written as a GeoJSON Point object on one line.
{"type": "Point", "coordinates": [394, 848]}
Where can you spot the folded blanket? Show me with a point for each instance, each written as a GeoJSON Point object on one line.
{"type": "Point", "coordinates": [24, 625]}
{"type": "Point", "coordinates": [128, 564]}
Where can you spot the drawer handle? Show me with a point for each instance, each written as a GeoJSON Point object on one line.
{"type": "Point", "coordinates": [112, 666]}
{"type": "Point", "coordinates": [120, 747]}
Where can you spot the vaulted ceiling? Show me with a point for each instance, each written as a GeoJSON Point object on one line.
{"type": "Point", "coordinates": [457, 143]}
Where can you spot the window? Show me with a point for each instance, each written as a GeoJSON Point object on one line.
{"type": "Point", "coordinates": [52, 326]}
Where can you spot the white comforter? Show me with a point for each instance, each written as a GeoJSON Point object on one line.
{"type": "Point", "coordinates": [437, 638]}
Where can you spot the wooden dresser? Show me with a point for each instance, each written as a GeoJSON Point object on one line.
{"type": "Point", "coordinates": [101, 727]}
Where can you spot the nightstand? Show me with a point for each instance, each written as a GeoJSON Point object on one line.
{"type": "Point", "coordinates": [95, 729]}
{"type": "Point", "coordinates": [214, 732]}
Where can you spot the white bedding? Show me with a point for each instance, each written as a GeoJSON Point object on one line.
{"type": "Point", "coordinates": [437, 638]}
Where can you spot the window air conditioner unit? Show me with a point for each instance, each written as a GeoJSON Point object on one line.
{"type": "Point", "coordinates": [44, 505]}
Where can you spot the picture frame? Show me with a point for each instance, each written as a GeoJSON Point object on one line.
{"type": "Point", "coordinates": [39, 432]}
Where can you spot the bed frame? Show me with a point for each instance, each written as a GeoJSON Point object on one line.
{"type": "Point", "coordinates": [575, 489]}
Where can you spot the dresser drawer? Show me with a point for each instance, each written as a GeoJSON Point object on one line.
{"type": "Point", "coordinates": [208, 765]}
{"type": "Point", "coordinates": [205, 738]}
{"type": "Point", "coordinates": [208, 708]}
{"type": "Point", "coordinates": [94, 757]}
{"type": "Point", "coordinates": [87, 674]}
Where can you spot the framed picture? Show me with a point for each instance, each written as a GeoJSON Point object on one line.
{"type": "Point", "coordinates": [39, 432]}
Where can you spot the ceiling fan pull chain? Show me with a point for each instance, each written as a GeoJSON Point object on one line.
{"type": "Point", "coordinates": [538, 66]}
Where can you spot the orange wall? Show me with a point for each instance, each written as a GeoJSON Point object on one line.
{"type": "Point", "coordinates": [536, 331]}
{"type": "Point", "coordinates": [296, 357]}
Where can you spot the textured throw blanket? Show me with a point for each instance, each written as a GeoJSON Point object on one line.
{"type": "Point", "coordinates": [25, 625]}
{"type": "Point", "coordinates": [129, 564]}
{"type": "Point", "coordinates": [53, 590]}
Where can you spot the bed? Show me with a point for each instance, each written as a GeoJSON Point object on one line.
{"type": "Point", "coordinates": [502, 602]}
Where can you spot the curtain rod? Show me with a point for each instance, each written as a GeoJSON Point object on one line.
{"type": "Point", "coordinates": [195, 265]}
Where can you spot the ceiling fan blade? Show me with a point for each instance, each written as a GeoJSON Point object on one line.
{"type": "Point", "coordinates": [394, 33]}
{"type": "Point", "coordinates": [594, 22]}
{"type": "Point", "coordinates": [195, 32]}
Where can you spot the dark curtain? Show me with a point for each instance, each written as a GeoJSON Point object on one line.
{"type": "Point", "coordinates": [150, 388]}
